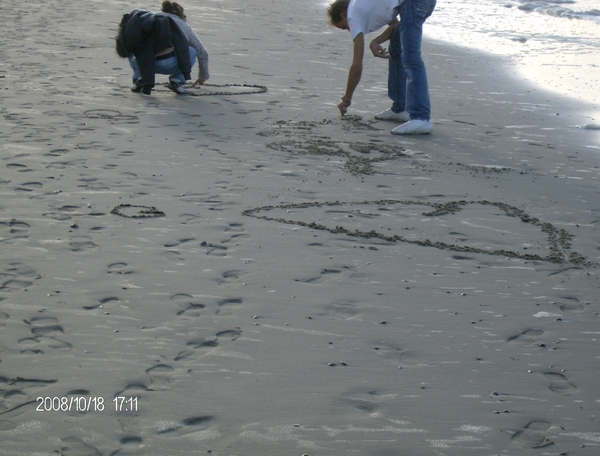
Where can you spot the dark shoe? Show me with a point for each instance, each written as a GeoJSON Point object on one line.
{"type": "Point", "coordinates": [176, 87]}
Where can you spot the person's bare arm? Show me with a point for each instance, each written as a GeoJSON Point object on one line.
{"type": "Point", "coordinates": [354, 74]}
{"type": "Point", "coordinates": [376, 44]}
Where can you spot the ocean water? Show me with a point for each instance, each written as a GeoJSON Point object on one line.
{"type": "Point", "coordinates": [554, 44]}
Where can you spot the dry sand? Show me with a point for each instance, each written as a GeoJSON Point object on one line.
{"type": "Point", "coordinates": [257, 276]}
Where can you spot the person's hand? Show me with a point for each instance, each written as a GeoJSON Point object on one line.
{"type": "Point", "coordinates": [199, 81]}
{"type": "Point", "coordinates": [378, 50]}
{"type": "Point", "coordinates": [343, 107]}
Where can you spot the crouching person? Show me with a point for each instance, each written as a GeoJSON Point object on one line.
{"type": "Point", "coordinates": [154, 44]}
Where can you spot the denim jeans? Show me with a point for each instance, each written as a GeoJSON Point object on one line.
{"type": "Point", "coordinates": [168, 66]}
{"type": "Point", "coordinates": [407, 79]}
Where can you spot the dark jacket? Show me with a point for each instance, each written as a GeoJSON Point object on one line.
{"type": "Point", "coordinates": [144, 34]}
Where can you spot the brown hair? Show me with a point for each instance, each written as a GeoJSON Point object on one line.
{"type": "Point", "coordinates": [335, 10]}
{"type": "Point", "coordinates": [173, 8]}
{"type": "Point", "coordinates": [120, 47]}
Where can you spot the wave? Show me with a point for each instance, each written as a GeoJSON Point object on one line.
{"type": "Point", "coordinates": [556, 8]}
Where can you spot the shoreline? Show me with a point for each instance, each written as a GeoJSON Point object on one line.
{"type": "Point", "coordinates": [558, 62]}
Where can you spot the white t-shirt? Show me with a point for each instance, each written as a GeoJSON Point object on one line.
{"type": "Point", "coordinates": [365, 16]}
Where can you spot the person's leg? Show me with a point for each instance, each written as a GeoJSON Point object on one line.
{"type": "Point", "coordinates": [170, 66]}
{"type": "Point", "coordinates": [396, 83]}
{"type": "Point", "coordinates": [396, 73]}
{"type": "Point", "coordinates": [412, 16]}
{"type": "Point", "coordinates": [136, 69]}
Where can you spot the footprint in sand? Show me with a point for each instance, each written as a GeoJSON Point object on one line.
{"type": "Point", "coordinates": [160, 376]}
{"type": "Point", "coordinates": [393, 353]}
{"type": "Point", "coordinates": [202, 346]}
{"type": "Point", "coordinates": [45, 331]}
{"type": "Point", "coordinates": [187, 305]}
{"type": "Point", "coordinates": [131, 445]}
{"type": "Point", "coordinates": [571, 306]}
{"type": "Point", "coordinates": [81, 400]}
{"type": "Point", "coordinates": [324, 276]}
{"type": "Point", "coordinates": [102, 302]}
{"type": "Point", "coordinates": [62, 213]}
{"type": "Point", "coordinates": [190, 219]}
{"type": "Point", "coordinates": [238, 229]}
{"type": "Point", "coordinates": [3, 318]}
{"type": "Point", "coordinates": [132, 390]}
{"type": "Point", "coordinates": [29, 186]}
{"type": "Point", "coordinates": [118, 268]}
{"type": "Point", "coordinates": [560, 384]}
{"type": "Point", "coordinates": [66, 164]}
{"type": "Point", "coordinates": [81, 244]}
{"type": "Point", "coordinates": [57, 152]}
{"type": "Point", "coordinates": [230, 278]}
{"type": "Point", "coordinates": [345, 310]}
{"type": "Point", "coordinates": [173, 255]}
{"type": "Point", "coordinates": [526, 337]}
{"type": "Point", "coordinates": [17, 396]}
{"type": "Point", "coordinates": [532, 435]}
{"type": "Point", "coordinates": [235, 227]}
{"type": "Point", "coordinates": [17, 277]}
{"type": "Point", "coordinates": [187, 426]}
{"type": "Point", "coordinates": [40, 345]}
{"type": "Point", "coordinates": [18, 167]}
{"type": "Point", "coordinates": [14, 227]}
{"type": "Point", "coordinates": [44, 326]}
{"type": "Point", "coordinates": [216, 250]}
{"type": "Point", "coordinates": [362, 404]}
{"type": "Point", "coordinates": [178, 242]}
{"type": "Point", "coordinates": [369, 401]}
{"type": "Point", "coordinates": [74, 446]}
{"type": "Point", "coordinates": [92, 183]}
{"type": "Point", "coordinates": [226, 306]}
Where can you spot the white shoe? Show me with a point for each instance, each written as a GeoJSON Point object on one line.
{"type": "Point", "coordinates": [388, 114]}
{"type": "Point", "coordinates": [414, 127]}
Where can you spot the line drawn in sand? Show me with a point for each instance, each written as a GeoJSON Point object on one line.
{"type": "Point", "coordinates": [135, 211]}
{"type": "Point", "coordinates": [234, 89]}
{"type": "Point", "coordinates": [558, 241]}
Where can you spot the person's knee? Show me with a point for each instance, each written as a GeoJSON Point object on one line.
{"type": "Point", "coordinates": [412, 60]}
{"type": "Point", "coordinates": [193, 55]}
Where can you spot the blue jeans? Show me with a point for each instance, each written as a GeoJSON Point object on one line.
{"type": "Point", "coordinates": [407, 80]}
{"type": "Point", "coordinates": [168, 66]}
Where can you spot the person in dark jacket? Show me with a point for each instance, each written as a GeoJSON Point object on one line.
{"type": "Point", "coordinates": [154, 44]}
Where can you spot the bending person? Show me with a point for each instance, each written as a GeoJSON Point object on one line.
{"type": "Point", "coordinates": [154, 44]}
{"type": "Point", "coordinates": [407, 78]}
{"type": "Point", "coordinates": [175, 11]}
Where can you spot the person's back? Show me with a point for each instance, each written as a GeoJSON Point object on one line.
{"type": "Point", "coordinates": [154, 44]}
{"type": "Point", "coordinates": [366, 16]}
{"type": "Point", "coordinates": [175, 11]}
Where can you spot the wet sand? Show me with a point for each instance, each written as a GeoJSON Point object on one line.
{"type": "Point", "coordinates": [252, 274]}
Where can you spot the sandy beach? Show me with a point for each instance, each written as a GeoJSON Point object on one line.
{"type": "Point", "coordinates": [240, 272]}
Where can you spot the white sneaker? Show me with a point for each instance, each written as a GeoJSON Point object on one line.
{"type": "Point", "coordinates": [414, 127]}
{"type": "Point", "coordinates": [388, 114]}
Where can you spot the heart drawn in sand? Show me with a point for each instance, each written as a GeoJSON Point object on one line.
{"type": "Point", "coordinates": [487, 228]}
